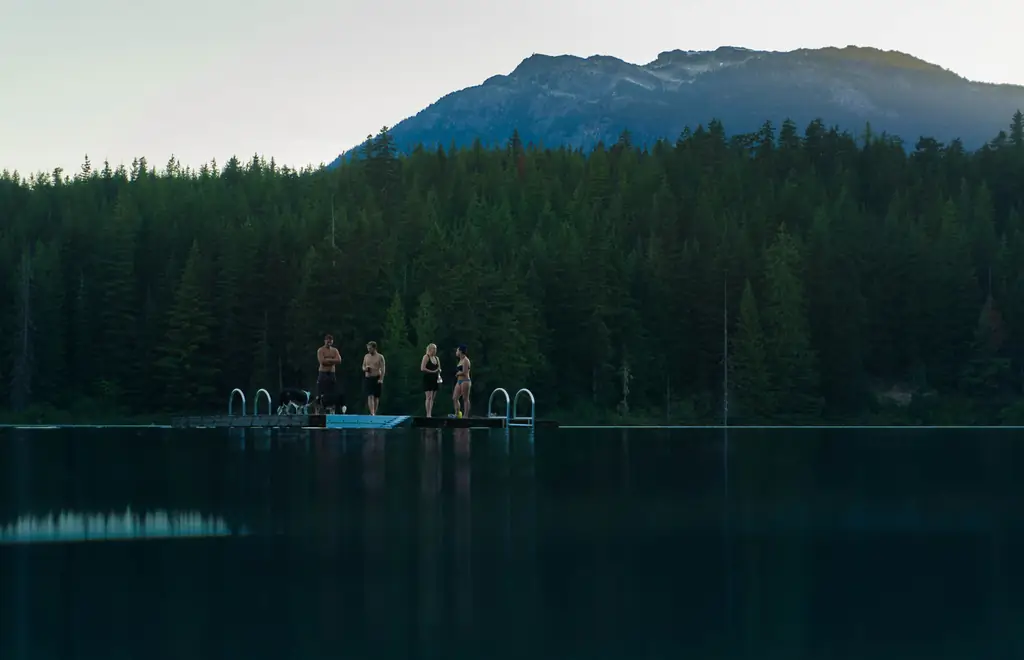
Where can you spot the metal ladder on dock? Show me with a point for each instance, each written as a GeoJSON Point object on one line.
{"type": "Point", "coordinates": [231, 401]}
{"type": "Point", "coordinates": [512, 416]}
{"type": "Point", "coordinates": [256, 402]}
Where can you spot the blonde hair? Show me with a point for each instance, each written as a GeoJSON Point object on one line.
{"type": "Point", "coordinates": [431, 346]}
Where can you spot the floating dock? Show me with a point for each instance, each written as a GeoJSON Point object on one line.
{"type": "Point", "coordinates": [510, 418]}
{"type": "Point", "coordinates": [346, 422]}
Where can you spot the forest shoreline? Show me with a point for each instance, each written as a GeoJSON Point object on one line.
{"type": "Point", "coordinates": [785, 276]}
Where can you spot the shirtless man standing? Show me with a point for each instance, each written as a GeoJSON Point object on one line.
{"type": "Point", "coordinates": [462, 382]}
{"type": "Point", "coordinates": [373, 376]}
{"type": "Point", "coordinates": [327, 378]}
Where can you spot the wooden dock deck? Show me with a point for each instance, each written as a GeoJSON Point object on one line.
{"type": "Point", "coordinates": [343, 422]}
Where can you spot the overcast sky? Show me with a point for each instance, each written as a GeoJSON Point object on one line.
{"type": "Point", "coordinates": [304, 80]}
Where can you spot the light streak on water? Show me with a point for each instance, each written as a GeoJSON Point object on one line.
{"type": "Point", "coordinates": [71, 526]}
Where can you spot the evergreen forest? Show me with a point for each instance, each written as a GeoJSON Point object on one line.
{"type": "Point", "coordinates": [788, 276]}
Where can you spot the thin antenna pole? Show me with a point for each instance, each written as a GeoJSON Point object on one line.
{"type": "Point", "coordinates": [726, 531]}
{"type": "Point", "coordinates": [334, 248]}
{"type": "Point", "coordinates": [725, 350]}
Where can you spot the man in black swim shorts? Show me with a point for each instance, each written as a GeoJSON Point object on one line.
{"type": "Point", "coordinates": [327, 377]}
{"type": "Point", "coordinates": [373, 376]}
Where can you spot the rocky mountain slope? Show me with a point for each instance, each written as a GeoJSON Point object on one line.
{"type": "Point", "coordinates": [568, 100]}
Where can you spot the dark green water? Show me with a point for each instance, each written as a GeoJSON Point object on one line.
{"type": "Point", "coordinates": [634, 544]}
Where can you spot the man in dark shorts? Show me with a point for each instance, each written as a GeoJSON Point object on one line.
{"type": "Point", "coordinates": [373, 376]}
{"type": "Point", "coordinates": [327, 378]}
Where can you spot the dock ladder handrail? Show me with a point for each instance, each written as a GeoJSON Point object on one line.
{"type": "Point", "coordinates": [516, 420]}
{"type": "Point", "coordinates": [256, 403]}
{"type": "Point", "coordinates": [508, 404]}
{"type": "Point", "coordinates": [231, 401]}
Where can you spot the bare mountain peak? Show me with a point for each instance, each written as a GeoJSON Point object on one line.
{"type": "Point", "coordinates": [698, 60]}
{"type": "Point", "coordinates": [876, 56]}
{"type": "Point", "coordinates": [579, 101]}
{"type": "Point", "coordinates": [540, 64]}
{"type": "Point", "coordinates": [673, 56]}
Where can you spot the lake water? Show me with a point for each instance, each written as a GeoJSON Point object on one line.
{"type": "Point", "coordinates": [625, 544]}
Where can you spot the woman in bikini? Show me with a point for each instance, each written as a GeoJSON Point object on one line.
{"type": "Point", "coordinates": [463, 383]}
{"type": "Point", "coordinates": [431, 368]}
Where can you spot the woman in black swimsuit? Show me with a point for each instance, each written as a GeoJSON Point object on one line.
{"type": "Point", "coordinates": [431, 368]}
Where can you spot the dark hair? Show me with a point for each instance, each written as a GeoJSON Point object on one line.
{"type": "Point", "coordinates": [371, 344]}
{"type": "Point", "coordinates": [326, 337]}
{"type": "Point", "coordinates": [462, 349]}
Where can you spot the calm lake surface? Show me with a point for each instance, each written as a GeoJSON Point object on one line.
{"type": "Point", "coordinates": [625, 544]}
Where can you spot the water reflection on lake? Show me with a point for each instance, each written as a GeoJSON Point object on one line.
{"type": "Point", "coordinates": [486, 544]}
{"type": "Point", "coordinates": [66, 526]}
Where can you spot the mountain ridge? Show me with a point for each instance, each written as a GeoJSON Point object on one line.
{"type": "Point", "coordinates": [575, 101]}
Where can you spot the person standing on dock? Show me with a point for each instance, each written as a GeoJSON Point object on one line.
{"type": "Point", "coordinates": [430, 366]}
{"type": "Point", "coordinates": [463, 382]}
{"type": "Point", "coordinates": [327, 378]}
{"type": "Point", "coordinates": [373, 376]}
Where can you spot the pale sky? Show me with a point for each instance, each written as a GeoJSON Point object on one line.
{"type": "Point", "coordinates": [303, 80]}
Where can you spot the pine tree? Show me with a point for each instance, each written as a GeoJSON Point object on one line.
{"type": "Point", "coordinates": [8, 287]}
{"type": "Point", "coordinates": [236, 304]}
{"type": "Point", "coordinates": [186, 354]}
{"type": "Point", "coordinates": [1017, 130]}
{"type": "Point", "coordinates": [748, 364]}
{"type": "Point", "coordinates": [117, 305]}
{"type": "Point", "coordinates": [987, 372]}
{"type": "Point", "coordinates": [951, 297]}
{"type": "Point", "coordinates": [50, 380]}
{"type": "Point", "coordinates": [791, 359]}
{"type": "Point", "coordinates": [23, 340]}
{"type": "Point", "coordinates": [400, 355]}
{"type": "Point", "coordinates": [836, 308]}
{"type": "Point", "coordinates": [425, 323]}
{"type": "Point", "coordinates": [509, 348]}
{"type": "Point", "coordinates": [304, 326]}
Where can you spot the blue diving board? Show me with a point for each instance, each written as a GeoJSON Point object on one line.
{"type": "Point", "coordinates": [365, 421]}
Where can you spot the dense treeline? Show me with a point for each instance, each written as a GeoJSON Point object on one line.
{"type": "Point", "coordinates": [853, 280]}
